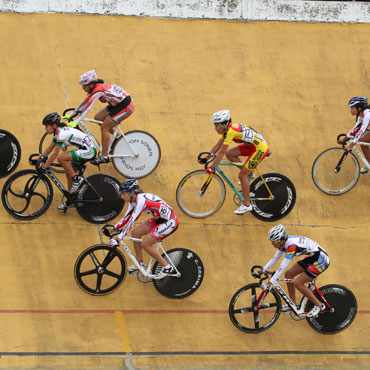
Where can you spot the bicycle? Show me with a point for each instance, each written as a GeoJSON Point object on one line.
{"type": "Point", "coordinates": [200, 194]}
{"type": "Point", "coordinates": [335, 171]}
{"type": "Point", "coordinates": [253, 309]}
{"type": "Point", "coordinates": [28, 194]}
{"type": "Point", "coordinates": [135, 154]}
{"type": "Point", "coordinates": [10, 153]}
{"type": "Point", "coordinates": [101, 268]}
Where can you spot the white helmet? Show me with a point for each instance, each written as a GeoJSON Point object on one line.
{"type": "Point", "coordinates": [221, 117]}
{"type": "Point", "coordinates": [88, 77]}
{"type": "Point", "coordinates": [277, 233]}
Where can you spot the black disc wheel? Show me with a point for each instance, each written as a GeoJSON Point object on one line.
{"type": "Point", "coordinates": [27, 195]}
{"type": "Point", "coordinates": [10, 153]}
{"type": "Point", "coordinates": [342, 313]}
{"type": "Point", "coordinates": [100, 269]}
{"type": "Point", "coordinates": [243, 310]}
{"type": "Point", "coordinates": [99, 199]}
{"type": "Point", "coordinates": [191, 269]}
{"type": "Point", "coordinates": [283, 192]}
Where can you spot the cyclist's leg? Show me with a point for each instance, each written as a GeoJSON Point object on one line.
{"type": "Point", "coordinates": [64, 160]}
{"type": "Point", "coordinates": [290, 274]}
{"type": "Point", "coordinates": [366, 149]}
{"type": "Point", "coordinates": [139, 232]}
{"type": "Point", "coordinates": [158, 231]}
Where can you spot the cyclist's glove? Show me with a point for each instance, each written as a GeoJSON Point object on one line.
{"type": "Point", "coordinates": [113, 242]}
{"type": "Point", "coordinates": [266, 286]}
{"type": "Point", "coordinates": [256, 274]}
{"type": "Point", "coordinates": [210, 169]}
{"type": "Point", "coordinates": [202, 160]}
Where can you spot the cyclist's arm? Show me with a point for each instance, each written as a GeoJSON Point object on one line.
{"type": "Point", "coordinates": [48, 149]}
{"type": "Point", "coordinates": [52, 157]}
{"type": "Point", "coordinates": [132, 215]}
{"type": "Point", "coordinates": [362, 130]}
{"type": "Point", "coordinates": [220, 155]}
{"type": "Point", "coordinates": [290, 252]}
{"type": "Point", "coordinates": [273, 260]}
{"type": "Point", "coordinates": [85, 107]}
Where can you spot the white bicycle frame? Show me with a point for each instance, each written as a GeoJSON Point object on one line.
{"type": "Point", "coordinates": [359, 153]}
{"type": "Point", "coordinates": [80, 120]}
{"type": "Point", "coordinates": [298, 311]}
{"type": "Point", "coordinates": [146, 273]}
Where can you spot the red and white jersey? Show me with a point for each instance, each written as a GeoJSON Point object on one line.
{"type": "Point", "coordinates": [362, 124]}
{"type": "Point", "coordinates": [144, 203]}
{"type": "Point", "coordinates": [106, 93]}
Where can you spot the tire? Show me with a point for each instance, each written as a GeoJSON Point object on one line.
{"type": "Point", "coordinates": [56, 167]}
{"type": "Point", "coordinates": [243, 315]}
{"type": "Point", "coordinates": [147, 148]}
{"type": "Point", "coordinates": [329, 181]}
{"type": "Point", "coordinates": [27, 195]}
{"type": "Point", "coordinates": [284, 194]}
{"type": "Point", "coordinates": [344, 305]}
{"type": "Point", "coordinates": [195, 203]}
{"type": "Point", "coordinates": [191, 268]}
{"type": "Point", "coordinates": [100, 269]}
{"type": "Point", "coordinates": [10, 153]}
{"type": "Point", "coordinates": [88, 205]}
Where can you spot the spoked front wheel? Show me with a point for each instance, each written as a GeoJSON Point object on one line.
{"type": "Point", "coordinates": [100, 269]}
{"type": "Point", "coordinates": [10, 153]}
{"type": "Point", "coordinates": [284, 197]}
{"type": "Point", "coordinates": [27, 194]}
{"type": "Point", "coordinates": [191, 269]}
{"type": "Point", "coordinates": [200, 194]}
{"type": "Point", "coordinates": [335, 171]}
{"type": "Point", "coordinates": [99, 199]}
{"type": "Point", "coordinates": [340, 316]}
{"type": "Point", "coordinates": [243, 311]}
{"type": "Point", "coordinates": [136, 155]}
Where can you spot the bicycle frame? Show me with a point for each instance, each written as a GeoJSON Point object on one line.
{"type": "Point", "coordinates": [231, 185]}
{"type": "Point", "coordinates": [357, 151]}
{"type": "Point", "coordinates": [297, 311]}
{"type": "Point", "coordinates": [144, 272]}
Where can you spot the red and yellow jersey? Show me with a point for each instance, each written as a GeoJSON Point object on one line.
{"type": "Point", "coordinates": [241, 133]}
{"type": "Point", "coordinates": [106, 93]}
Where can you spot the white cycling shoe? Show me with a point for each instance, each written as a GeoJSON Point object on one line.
{"type": "Point", "coordinates": [243, 209]}
{"type": "Point", "coordinates": [364, 169]}
{"type": "Point", "coordinates": [316, 310]}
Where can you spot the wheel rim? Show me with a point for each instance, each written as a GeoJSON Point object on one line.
{"type": "Point", "coordinates": [193, 202]}
{"type": "Point", "coordinates": [327, 180]}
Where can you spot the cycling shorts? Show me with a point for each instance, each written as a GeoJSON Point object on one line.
{"type": "Point", "coordinates": [314, 266]}
{"type": "Point", "coordinates": [254, 154]}
{"type": "Point", "coordinates": [80, 156]}
{"type": "Point", "coordinates": [121, 111]}
{"type": "Point", "coordinates": [160, 228]}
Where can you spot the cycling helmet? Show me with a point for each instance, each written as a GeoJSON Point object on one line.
{"type": "Point", "coordinates": [358, 101]}
{"type": "Point", "coordinates": [221, 117]}
{"type": "Point", "coordinates": [51, 119]}
{"type": "Point", "coordinates": [130, 185]}
{"type": "Point", "coordinates": [88, 77]}
{"type": "Point", "coordinates": [277, 233]}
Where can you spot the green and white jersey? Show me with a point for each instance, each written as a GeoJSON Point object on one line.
{"type": "Point", "coordinates": [68, 136]}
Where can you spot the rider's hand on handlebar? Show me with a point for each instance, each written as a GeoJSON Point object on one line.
{"type": "Point", "coordinates": [257, 274]}
{"type": "Point", "coordinates": [113, 242]}
{"type": "Point", "coordinates": [265, 286]}
{"type": "Point", "coordinates": [210, 169]}
{"type": "Point", "coordinates": [202, 160]}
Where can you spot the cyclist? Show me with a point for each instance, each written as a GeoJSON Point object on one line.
{"type": "Point", "coordinates": [359, 107]}
{"type": "Point", "coordinates": [315, 262]}
{"type": "Point", "coordinates": [251, 144]}
{"type": "Point", "coordinates": [120, 106]}
{"type": "Point", "coordinates": [69, 160]}
{"type": "Point", "coordinates": [163, 223]}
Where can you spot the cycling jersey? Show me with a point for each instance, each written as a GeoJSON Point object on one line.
{"type": "Point", "coordinates": [362, 124]}
{"type": "Point", "coordinates": [106, 93]}
{"type": "Point", "coordinates": [70, 136]}
{"type": "Point", "coordinates": [298, 246]}
{"type": "Point", "coordinates": [163, 222]}
{"type": "Point", "coordinates": [240, 133]}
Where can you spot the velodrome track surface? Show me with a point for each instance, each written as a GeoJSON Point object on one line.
{"type": "Point", "coordinates": [291, 81]}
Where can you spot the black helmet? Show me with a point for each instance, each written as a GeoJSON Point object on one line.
{"type": "Point", "coordinates": [358, 101]}
{"type": "Point", "coordinates": [130, 185]}
{"type": "Point", "coordinates": [51, 119]}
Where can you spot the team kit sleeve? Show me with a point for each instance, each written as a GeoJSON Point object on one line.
{"type": "Point", "coordinates": [284, 264]}
{"type": "Point", "coordinates": [273, 260]}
